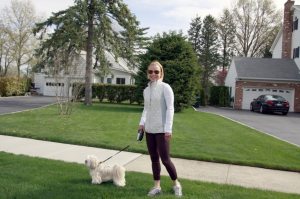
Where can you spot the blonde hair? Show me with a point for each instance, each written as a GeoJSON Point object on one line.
{"type": "Point", "coordinates": [155, 62]}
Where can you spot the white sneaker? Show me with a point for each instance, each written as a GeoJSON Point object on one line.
{"type": "Point", "coordinates": [154, 192]}
{"type": "Point", "coordinates": [177, 190]}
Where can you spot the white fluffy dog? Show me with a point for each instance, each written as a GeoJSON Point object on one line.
{"type": "Point", "coordinates": [103, 173]}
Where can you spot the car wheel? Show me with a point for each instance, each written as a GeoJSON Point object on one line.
{"type": "Point", "coordinates": [251, 107]}
{"type": "Point", "coordinates": [284, 113]}
{"type": "Point", "coordinates": [261, 109]}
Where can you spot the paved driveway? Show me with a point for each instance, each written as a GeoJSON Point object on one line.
{"type": "Point", "coordinates": [283, 127]}
{"type": "Point", "coordinates": [15, 104]}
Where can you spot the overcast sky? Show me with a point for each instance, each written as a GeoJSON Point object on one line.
{"type": "Point", "coordinates": [159, 15]}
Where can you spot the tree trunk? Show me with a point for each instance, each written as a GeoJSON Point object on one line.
{"type": "Point", "coordinates": [89, 56]}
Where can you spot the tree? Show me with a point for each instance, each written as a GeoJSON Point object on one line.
{"type": "Point", "coordinates": [220, 77]}
{"type": "Point", "coordinates": [256, 21]}
{"type": "Point", "coordinates": [5, 53]}
{"type": "Point", "coordinates": [17, 22]}
{"type": "Point", "coordinates": [209, 52]}
{"type": "Point", "coordinates": [226, 30]}
{"type": "Point", "coordinates": [194, 33]}
{"type": "Point", "coordinates": [180, 67]}
{"type": "Point", "coordinates": [95, 26]}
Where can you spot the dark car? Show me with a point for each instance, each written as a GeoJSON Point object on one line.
{"type": "Point", "coordinates": [270, 103]}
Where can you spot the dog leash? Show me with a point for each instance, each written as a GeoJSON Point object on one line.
{"type": "Point", "coordinates": [139, 138]}
{"type": "Point", "coordinates": [115, 154]}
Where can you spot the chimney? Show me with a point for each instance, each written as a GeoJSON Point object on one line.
{"type": "Point", "coordinates": [287, 30]}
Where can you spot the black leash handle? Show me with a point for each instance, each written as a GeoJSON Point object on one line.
{"type": "Point", "coordinates": [115, 154]}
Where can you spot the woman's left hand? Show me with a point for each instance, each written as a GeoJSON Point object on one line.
{"type": "Point", "coordinates": [168, 136]}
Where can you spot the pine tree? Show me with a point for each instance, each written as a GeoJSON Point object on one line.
{"type": "Point", "coordinates": [95, 26]}
{"type": "Point", "coordinates": [226, 30]}
{"type": "Point", "coordinates": [208, 52]}
{"type": "Point", "coordinates": [194, 33]}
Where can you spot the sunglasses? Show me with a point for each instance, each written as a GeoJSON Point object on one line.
{"type": "Point", "coordinates": [155, 72]}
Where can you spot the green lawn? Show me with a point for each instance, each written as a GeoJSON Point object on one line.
{"type": "Point", "coordinates": [197, 135]}
{"type": "Point", "coordinates": [25, 177]}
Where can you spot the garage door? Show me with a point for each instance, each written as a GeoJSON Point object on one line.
{"type": "Point", "coordinates": [54, 88]}
{"type": "Point", "coordinates": [250, 93]}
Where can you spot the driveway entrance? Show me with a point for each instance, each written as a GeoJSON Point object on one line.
{"type": "Point", "coordinates": [15, 104]}
{"type": "Point", "coordinates": [286, 128]}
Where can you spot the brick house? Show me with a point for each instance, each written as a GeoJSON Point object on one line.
{"type": "Point", "coordinates": [248, 78]}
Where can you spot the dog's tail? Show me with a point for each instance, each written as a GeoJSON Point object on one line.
{"type": "Point", "coordinates": [119, 175]}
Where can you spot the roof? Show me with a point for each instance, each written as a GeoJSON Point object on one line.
{"type": "Point", "coordinates": [120, 64]}
{"type": "Point", "coordinates": [266, 69]}
{"type": "Point", "coordinates": [296, 7]}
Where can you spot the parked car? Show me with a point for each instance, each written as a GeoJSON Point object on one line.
{"type": "Point", "coordinates": [270, 103]}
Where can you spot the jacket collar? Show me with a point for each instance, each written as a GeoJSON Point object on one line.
{"type": "Point", "coordinates": [154, 83]}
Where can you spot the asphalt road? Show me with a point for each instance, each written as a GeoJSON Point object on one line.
{"type": "Point", "coordinates": [286, 128]}
{"type": "Point", "coordinates": [15, 104]}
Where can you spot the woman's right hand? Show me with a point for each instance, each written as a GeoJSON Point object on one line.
{"type": "Point", "coordinates": [141, 127]}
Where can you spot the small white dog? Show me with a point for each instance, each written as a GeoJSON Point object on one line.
{"type": "Point", "coordinates": [103, 173]}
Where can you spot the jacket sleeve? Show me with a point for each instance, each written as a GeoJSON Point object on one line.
{"type": "Point", "coordinates": [143, 118]}
{"type": "Point", "coordinates": [169, 99]}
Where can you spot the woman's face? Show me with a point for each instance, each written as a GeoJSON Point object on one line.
{"type": "Point", "coordinates": [154, 72]}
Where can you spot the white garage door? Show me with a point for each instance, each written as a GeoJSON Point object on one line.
{"type": "Point", "coordinates": [54, 89]}
{"type": "Point", "coordinates": [250, 93]}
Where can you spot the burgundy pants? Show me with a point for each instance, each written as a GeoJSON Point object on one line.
{"type": "Point", "coordinates": [158, 147]}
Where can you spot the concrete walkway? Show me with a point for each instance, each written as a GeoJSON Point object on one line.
{"type": "Point", "coordinates": [266, 179]}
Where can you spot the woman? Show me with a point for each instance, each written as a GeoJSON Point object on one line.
{"type": "Point", "coordinates": [157, 122]}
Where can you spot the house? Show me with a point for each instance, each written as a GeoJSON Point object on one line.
{"type": "Point", "coordinates": [248, 78]}
{"type": "Point", "coordinates": [119, 73]}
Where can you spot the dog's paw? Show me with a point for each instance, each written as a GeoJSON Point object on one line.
{"type": "Point", "coordinates": [96, 182]}
{"type": "Point", "coordinates": [120, 183]}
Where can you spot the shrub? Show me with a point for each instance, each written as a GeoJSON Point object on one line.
{"type": "Point", "coordinates": [180, 66]}
{"type": "Point", "coordinates": [13, 86]}
{"type": "Point", "coordinates": [219, 96]}
{"type": "Point", "coordinates": [112, 92]}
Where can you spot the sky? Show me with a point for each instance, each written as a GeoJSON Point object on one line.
{"type": "Point", "coordinates": [159, 15]}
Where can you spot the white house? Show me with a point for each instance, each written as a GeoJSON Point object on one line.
{"type": "Point", "coordinates": [48, 85]}
{"type": "Point", "coordinates": [248, 78]}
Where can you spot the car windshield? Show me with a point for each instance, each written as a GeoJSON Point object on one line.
{"type": "Point", "coordinates": [275, 97]}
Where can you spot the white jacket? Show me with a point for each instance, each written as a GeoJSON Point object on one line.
{"type": "Point", "coordinates": [158, 110]}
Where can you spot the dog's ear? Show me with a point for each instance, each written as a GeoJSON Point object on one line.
{"type": "Point", "coordinates": [93, 164]}
{"type": "Point", "coordinates": [93, 161]}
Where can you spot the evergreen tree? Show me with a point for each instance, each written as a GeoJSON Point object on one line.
{"type": "Point", "coordinates": [194, 33]}
{"type": "Point", "coordinates": [208, 53]}
{"type": "Point", "coordinates": [180, 67]}
{"type": "Point", "coordinates": [226, 29]}
{"type": "Point", "coordinates": [95, 26]}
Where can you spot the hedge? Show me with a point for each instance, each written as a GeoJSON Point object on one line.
{"type": "Point", "coordinates": [114, 93]}
{"type": "Point", "coordinates": [219, 96]}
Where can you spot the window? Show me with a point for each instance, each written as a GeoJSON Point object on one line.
{"type": "Point", "coordinates": [109, 80]}
{"type": "Point", "coordinates": [296, 52]}
{"type": "Point", "coordinates": [295, 24]}
{"type": "Point", "coordinates": [120, 80]}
